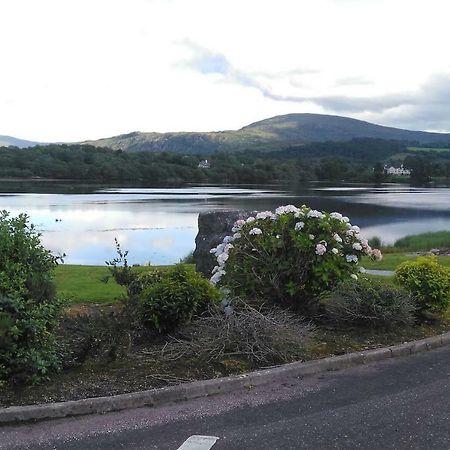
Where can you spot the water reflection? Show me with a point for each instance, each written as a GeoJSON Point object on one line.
{"type": "Point", "coordinates": [160, 224]}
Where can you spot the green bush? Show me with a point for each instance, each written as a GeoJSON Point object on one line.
{"type": "Point", "coordinates": [28, 309]}
{"type": "Point", "coordinates": [25, 265]}
{"type": "Point", "coordinates": [368, 303]}
{"type": "Point", "coordinates": [428, 281]}
{"type": "Point", "coordinates": [171, 297]}
{"type": "Point", "coordinates": [290, 256]}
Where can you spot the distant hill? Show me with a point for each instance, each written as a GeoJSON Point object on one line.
{"type": "Point", "coordinates": [9, 141]}
{"type": "Point", "coordinates": [268, 134]}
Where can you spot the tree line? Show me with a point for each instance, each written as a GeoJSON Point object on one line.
{"type": "Point", "coordinates": [354, 161]}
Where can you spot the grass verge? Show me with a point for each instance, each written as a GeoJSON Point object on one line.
{"type": "Point", "coordinates": [424, 241]}
{"type": "Point", "coordinates": [392, 260]}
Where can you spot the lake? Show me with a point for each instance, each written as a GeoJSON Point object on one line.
{"type": "Point", "coordinates": [159, 225]}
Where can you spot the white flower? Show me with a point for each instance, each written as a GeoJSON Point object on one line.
{"type": "Point", "coordinates": [250, 219]}
{"type": "Point", "coordinates": [299, 214]}
{"type": "Point", "coordinates": [314, 213]}
{"type": "Point", "coordinates": [213, 250]}
{"type": "Point", "coordinates": [337, 238]}
{"type": "Point", "coordinates": [217, 276]}
{"type": "Point", "coordinates": [255, 231]}
{"type": "Point", "coordinates": [362, 270]}
{"type": "Point", "coordinates": [311, 236]}
{"type": "Point", "coordinates": [265, 215]}
{"type": "Point", "coordinates": [277, 236]}
{"type": "Point", "coordinates": [286, 209]}
{"type": "Point", "coordinates": [227, 239]}
{"type": "Point", "coordinates": [351, 258]}
{"type": "Point", "coordinates": [345, 219]}
{"type": "Point", "coordinates": [336, 215]}
{"type": "Point", "coordinates": [236, 236]}
{"type": "Point", "coordinates": [320, 249]}
{"type": "Point", "coordinates": [299, 226]}
{"type": "Point", "coordinates": [355, 228]}
{"type": "Point", "coordinates": [335, 251]}
{"type": "Point", "coordinates": [227, 248]}
{"type": "Point", "coordinates": [364, 242]}
{"type": "Point", "coordinates": [354, 276]}
{"type": "Point", "coordinates": [357, 246]}
{"type": "Point", "coordinates": [222, 258]}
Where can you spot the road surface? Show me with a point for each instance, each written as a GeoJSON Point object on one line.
{"type": "Point", "coordinates": [401, 403]}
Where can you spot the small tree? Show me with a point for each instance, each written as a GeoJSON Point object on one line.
{"type": "Point", "coordinates": [28, 308]}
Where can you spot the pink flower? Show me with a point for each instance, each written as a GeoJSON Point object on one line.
{"type": "Point", "coordinates": [376, 254]}
{"type": "Point", "coordinates": [320, 249]}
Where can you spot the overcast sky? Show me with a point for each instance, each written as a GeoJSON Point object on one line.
{"type": "Point", "coordinates": [85, 69]}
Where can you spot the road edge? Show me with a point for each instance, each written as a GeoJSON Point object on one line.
{"type": "Point", "coordinates": [206, 388]}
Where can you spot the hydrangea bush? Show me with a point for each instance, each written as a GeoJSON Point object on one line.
{"type": "Point", "coordinates": [289, 256]}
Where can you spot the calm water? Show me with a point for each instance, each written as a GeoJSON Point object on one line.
{"type": "Point", "coordinates": [160, 224]}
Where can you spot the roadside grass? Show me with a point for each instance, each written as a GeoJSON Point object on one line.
{"type": "Point", "coordinates": [391, 260]}
{"type": "Point", "coordinates": [424, 241]}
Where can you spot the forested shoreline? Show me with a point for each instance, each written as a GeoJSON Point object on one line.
{"type": "Point", "coordinates": [359, 160]}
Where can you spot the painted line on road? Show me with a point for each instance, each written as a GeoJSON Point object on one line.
{"type": "Point", "coordinates": [198, 442]}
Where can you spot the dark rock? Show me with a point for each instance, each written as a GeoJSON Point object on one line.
{"type": "Point", "coordinates": [212, 228]}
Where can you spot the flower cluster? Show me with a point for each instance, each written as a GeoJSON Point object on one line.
{"type": "Point", "coordinates": [290, 252]}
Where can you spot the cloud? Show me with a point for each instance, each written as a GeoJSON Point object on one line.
{"type": "Point", "coordinates": [426, 107]}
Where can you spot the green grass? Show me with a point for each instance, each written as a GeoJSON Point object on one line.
{"type": "Point", "coordinates": [392, 260]}
{"type": "Point", "coordinates": [428, 149]}
{"type": "Point", "coordinates": [83, 284]}
{"type": "Point", "coordinates": [425, 241]}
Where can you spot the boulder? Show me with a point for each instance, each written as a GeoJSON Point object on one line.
{"type": "Point", "coordinates": [212, 228]}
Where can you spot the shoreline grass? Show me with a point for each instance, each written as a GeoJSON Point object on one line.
{"type": "Point", "coordinates": [424, 241]}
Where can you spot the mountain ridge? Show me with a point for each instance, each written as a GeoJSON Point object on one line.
{"type": "Point", "coordinates": [10, 141]}
{"type": "Point", "coordinates": [268, 134]}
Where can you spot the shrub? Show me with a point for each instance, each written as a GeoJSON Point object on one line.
{"type": "Point", "coordinates": [100, 335]}
{"type": "Point", "coordinates": [428, 281]}
{"type": "Point", "coordinates": [25, 265]}
{"type": "Point", "coordinates": [367, 303]}
{"type": "Point", "coordinates": [29, 348]}
{"type": "Point", "coordinates": [171, 297]}
{"type": "Point", "coordinates": [28, 309]}
{"type": "Point", "coordinates": [261, 336]}
{"type": "Point", "coordinates": [290, 256]}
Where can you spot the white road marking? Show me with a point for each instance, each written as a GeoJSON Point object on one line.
{"type": "Point", "coordinates": [197, 442]}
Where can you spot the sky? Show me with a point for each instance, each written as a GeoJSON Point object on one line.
{"type": "Point", "coordinates": [84, 69]}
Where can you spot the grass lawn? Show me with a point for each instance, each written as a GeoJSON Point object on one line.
{"type": "Point", "coordinates": [392, 260]}
{"type": "Point", "coordinates": [425, 241]}
{"type": "Point", "coordinates": [83, 284]}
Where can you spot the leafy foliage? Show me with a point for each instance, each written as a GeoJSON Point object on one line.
{"type": "Point", "coordinates": [28, 309]}
{"type": "Point", "coordinates": [289, 257]}
{"type": "Point", "coordinates": [428, 281]}
{"type": "Point", "coordinates": [367, 303]}
{"type": "Point", "coordinates": [172, 297]}
{"type": "Point", "coordinates": [29, 348]}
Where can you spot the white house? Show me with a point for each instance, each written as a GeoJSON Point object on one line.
{"type": "Point", "coordinates": [204, 164]}
{"type": "Point", "coordinates": [397, 170]}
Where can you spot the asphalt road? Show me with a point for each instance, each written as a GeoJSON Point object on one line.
{"type": "Point", "coordinates": [401, 403]}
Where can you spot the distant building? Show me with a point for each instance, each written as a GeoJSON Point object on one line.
{"type": "Point", "coordinates": [204, 164]}
{"type": "Point", "coordinates": [391, 170]}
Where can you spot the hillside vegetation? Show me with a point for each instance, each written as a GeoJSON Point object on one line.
{"type": "Point", "coordinates": [268, 134]}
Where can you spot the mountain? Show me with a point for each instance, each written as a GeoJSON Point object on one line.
{"type": "Point", "coordinates": [9, 141]}
{"type": "Point", "coordinates": [268, 134]}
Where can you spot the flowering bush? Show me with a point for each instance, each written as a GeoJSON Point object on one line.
{"type": "Point", "coordinates": [289, 256]}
